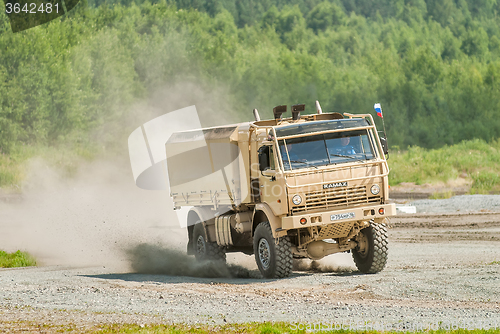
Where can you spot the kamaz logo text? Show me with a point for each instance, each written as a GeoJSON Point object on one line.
{"type": "Point", "coordinates": [335, 185]}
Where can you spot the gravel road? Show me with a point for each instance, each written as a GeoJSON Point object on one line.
{"type": "Point", "coordinates": [427, 280]}
{"type": "Point", "coordinates": [463, 203]}
{"type": "Point", "coordinates": [442, 268]}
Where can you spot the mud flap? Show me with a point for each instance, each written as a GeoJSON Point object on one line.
{"type": "Point", "coordinates": [190, 249]}
{"type": "Point", "coordinates": [190, 245]}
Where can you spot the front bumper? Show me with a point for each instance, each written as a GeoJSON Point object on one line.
{"type": "Point", "coordinates": [363, 213]}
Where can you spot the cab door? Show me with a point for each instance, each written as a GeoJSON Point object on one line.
{"type": "Point", "coordinates": [271, 180]}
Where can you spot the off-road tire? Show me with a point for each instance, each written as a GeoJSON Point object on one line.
{"type": "Point", "coordinates": [205, 250]}
{"type": "Point", "coordinates": [273, 256]}
{"type": "Point", "coordinates": [373, 260]}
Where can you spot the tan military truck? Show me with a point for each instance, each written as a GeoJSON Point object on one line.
{"type": "Point", "coordinates": [299, 187]}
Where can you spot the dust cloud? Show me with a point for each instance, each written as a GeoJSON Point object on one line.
{"type": "Point", "coordinates": [98, 217]}
{"type": "Point", "coordinates": [155, 259]}
{"type": "Point", "coordinates": [88, 220]}
{"type": "Point", "coordinates": [336, 263]}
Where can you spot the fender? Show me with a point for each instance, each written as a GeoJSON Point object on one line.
{"type": "Point", "coordinates": [263, 212]}
{"type": "Point", "coordinates": [204, 214]}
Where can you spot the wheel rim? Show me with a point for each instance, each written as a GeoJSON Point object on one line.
{"type": "Point", "coordinates": [264, 253]}
{"type": "Point", "coordinates": [362, 245]}
{"type": "Point", "coordinates": [200, 245]}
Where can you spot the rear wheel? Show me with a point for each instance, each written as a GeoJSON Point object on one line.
{"type": "Point", "coordinates": [370, 255]}
{"type": "Point", "coordinates": [273, 256]}
{"type": "Point", "coordinates": [205, 250]}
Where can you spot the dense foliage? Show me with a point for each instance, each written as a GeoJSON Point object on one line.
{"type": "Point", "coordinates": [434, 65]}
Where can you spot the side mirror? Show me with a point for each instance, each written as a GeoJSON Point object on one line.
{"type": "Point", "coordinates": [383, 141]}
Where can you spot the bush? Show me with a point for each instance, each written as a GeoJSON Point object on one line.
{"type": "Point", "coordinates": [17, 259]}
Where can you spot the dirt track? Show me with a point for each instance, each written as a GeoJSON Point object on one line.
{"type": "Point", "coordinates": [481, 226]}
{"type": "Point", "coordinates": [442, 268]}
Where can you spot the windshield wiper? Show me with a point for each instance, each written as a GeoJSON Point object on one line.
{"type": "Point", "coordinates": [346, 156]}
{"type": "Point", "coordinates": [304, 162]}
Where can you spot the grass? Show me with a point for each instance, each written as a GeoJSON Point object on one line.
{"type": "Point", "coordinates": [442, 195]}
{"type": "Point", "coordinates": [247, 328]}
{"type": "Point", "coordinates": [474, 160]}
{"type": "Point", "coordinates": [252, 328]}
{"type": "Point", "coordinates": [17, 259]}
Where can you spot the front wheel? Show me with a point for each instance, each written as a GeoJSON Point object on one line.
{"type": "Point", "coordinates": [205, 250]}
{"type": "Point", "coordinates": [370, 255]}
{"type": "Point", "coordinates": [273, 256]}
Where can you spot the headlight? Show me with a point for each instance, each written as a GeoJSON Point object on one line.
{"type": "Point", "coordinates": [296, 199]}
{"type": "Point", "coordinates": [375, 189]}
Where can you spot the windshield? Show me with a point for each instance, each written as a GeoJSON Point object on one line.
{"type": "Point", "coordinates": [326, 149]}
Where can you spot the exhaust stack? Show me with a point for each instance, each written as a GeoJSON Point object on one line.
{"type": "Point", "coordinates": [318, 108]}
{"type": "Point", "coordinates": [296, 109]}
{"type": "Point", "coordinates": [256, 115]}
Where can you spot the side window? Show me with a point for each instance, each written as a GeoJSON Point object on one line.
{"type": "Point", "coordinates": [265, 158]}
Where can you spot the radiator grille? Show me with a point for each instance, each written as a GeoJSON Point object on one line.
{"type": "Point", "coordinates": [330, 199]}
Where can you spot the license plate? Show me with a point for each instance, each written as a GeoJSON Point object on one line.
{"type": "Point", "coordinates": [340, 216]}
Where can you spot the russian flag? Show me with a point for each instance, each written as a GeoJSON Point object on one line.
{"type": "Point", "coordinates": [378, 109]}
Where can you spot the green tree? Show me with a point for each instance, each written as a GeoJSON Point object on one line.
{"type": "Point", "coordinates": [475, 43]}
{"type": "Point", "coordinates": [325, 15]}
